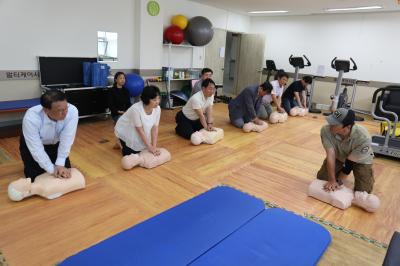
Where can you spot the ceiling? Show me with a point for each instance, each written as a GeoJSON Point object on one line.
{"type": "Point", "coordinates": [298, 7]}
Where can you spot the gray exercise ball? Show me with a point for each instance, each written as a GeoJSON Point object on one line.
{"type": "Point", "coordinates": [199, 31]}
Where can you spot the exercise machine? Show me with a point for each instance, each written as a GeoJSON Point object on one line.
{"type": "Point", "coordinates": [391, 102]}
{"type": "Point", "coordinates": [388, 144]}
{"type": "Point", "coordinates": [339, 100]}
{"type": "Point", "coordinates": [310, 94]}
{"type": "Point", "coordinates": [271, 69]}
{"type": "Point", "coordinates": [298, 63]}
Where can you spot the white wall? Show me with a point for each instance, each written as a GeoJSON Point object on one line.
{"type": "Point", "coordinates": [151, 37]}
{"type": "Point", "coordinates": [59, 28]}
{"type": "Point", "coordinates": [371, 39]}
{"type": "Point", "coordinates": [187, 57]}
{"type": "Point", "coordinates": [69, 28]}
{"type": "Point", "coordinates": [220, 18]}
{"type": "Point", "coordinates": [62, 28]}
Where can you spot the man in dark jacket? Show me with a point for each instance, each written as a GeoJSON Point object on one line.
{"type": "Point", "coordinates": [244, 107]}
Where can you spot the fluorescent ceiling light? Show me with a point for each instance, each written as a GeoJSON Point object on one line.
{"type": "Point", "coordinates": [352, 8]}
{"type": "Point", "coordinates": [268, 12]}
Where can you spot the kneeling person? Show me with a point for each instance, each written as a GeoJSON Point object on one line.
{"type": "Point", "coordinates": [294, 97]}
{"type": "Point", "coordinates": [48, 132]}
{"type": "Point", "coordinates": [244, 108]}
{"type": "Point", "coordinates": [197, 114]}
{"type": "Point", "coordinates": [137, 130]}
{"type": "Point", "coordinates": [265, 111]}
{"type": "Point", "coordinates": [348, 149]}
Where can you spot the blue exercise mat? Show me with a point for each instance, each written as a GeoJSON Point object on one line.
{"type": "Point", "coordinates": [178, 235]}
{"type": "Point", "coordinates": [274, 237]}
{"type": "Point", "coordinates": [19, 104]}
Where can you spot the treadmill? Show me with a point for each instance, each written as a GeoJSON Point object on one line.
{"type": "Point", "coordinates": [387, 144]}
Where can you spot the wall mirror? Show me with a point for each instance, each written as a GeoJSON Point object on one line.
{"type": "Point", "coordinates": [107, 46]}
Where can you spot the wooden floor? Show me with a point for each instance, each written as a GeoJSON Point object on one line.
{"type": "Point", "coordinates": [276, 165]}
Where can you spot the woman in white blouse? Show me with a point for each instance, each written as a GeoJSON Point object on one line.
{"type": "Point", "coordinates": [137, 128]}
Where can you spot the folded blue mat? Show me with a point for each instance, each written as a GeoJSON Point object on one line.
{"type": "Point", "coordinates": [178, 235]}
{"type": "Point", "coordinates": [274, 237]}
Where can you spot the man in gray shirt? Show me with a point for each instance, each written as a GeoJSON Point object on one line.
{"type": "Point", "coordinates": [206, 73]}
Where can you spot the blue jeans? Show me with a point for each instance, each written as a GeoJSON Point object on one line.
{"type": "Point", "coordinates": [239, 122]}
{"type": "Point", "coordinates": [288, 104]}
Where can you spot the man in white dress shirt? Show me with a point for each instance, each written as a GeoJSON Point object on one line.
{"type": "Point", "coordinates": [48, 132]}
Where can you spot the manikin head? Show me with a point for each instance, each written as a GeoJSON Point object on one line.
{"type": "Point", "coordinates": [19, 189]}
{"type": "Point", "coordinates": [55, 105]}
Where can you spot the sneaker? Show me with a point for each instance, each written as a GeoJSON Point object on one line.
{"type": "Point", "coordinates": [368, 202]}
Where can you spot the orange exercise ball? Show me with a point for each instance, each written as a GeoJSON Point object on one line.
{"type": "Point", "coordinates": [179, 20]}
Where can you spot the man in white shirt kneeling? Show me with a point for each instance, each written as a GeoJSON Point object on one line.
{"type": "Point", "coordinates": [48, 132]}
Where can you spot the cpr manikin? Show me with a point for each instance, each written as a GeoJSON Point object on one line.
{"type": "Point", "coordinates": [277, 117]}
{"type": "Point", "coordinates": [208, 137]}
{"type": "Point", "coordinates": [298, 111]}
{"type": "Point", "coordinates": [248, 127]}
{"type": "Point", "coordinates": [145, 159]}
{"type": "Point", "coordinates": [343, 197]}
{"type": "Point", "coordinates": [45, 185]}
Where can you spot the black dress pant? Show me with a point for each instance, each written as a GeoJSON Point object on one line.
{"type": "Point", "coordinates": [186, 127]}
{"type": "Point", "coordinates": [31, 168]}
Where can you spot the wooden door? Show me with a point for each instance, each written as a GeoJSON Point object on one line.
{"type": "Point", "coordinates": [230, 63]}
{"type": "Point", "coordinates": [250, 61]}
{"type": "Point", "coordinates": [214, 59]}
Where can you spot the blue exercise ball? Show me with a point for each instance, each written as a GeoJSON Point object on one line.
{"type": "Point", "coordinates": [134, 83]}
{"type": "Point", "coordinates": [199, 31]}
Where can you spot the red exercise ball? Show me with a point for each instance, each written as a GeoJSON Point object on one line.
{"type": "Point", "coordinates": [173, 34]}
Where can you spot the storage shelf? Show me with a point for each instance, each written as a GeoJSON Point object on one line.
{"type": "Point", "coordinates": [194, 53]}
{"type": "Point", "coordinates": [188, 79]}
{"type": "Point", "coordinates": [182, 79]}
{"type": "Point", "coordinates": [179, 45]}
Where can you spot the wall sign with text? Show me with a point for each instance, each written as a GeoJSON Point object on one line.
{"type": "Point", "coordinates": [19, 74]}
